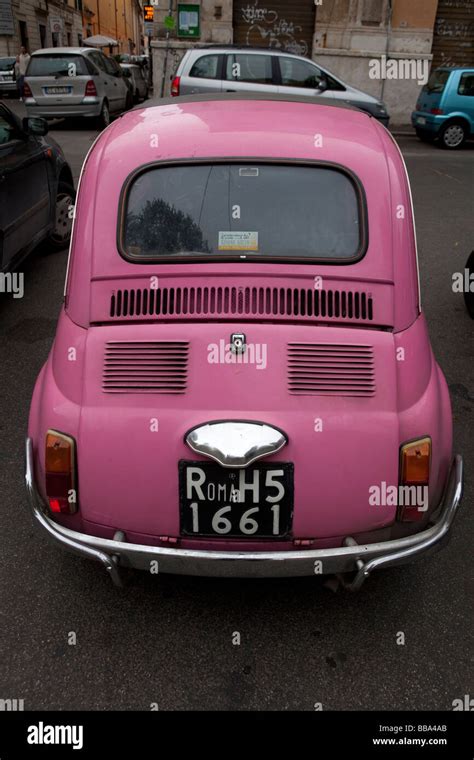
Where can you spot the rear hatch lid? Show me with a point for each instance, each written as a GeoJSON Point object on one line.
{"type": "Point", "coordinates": [432, 93]}
{"type": "Point", "coordinates": [58, 78]}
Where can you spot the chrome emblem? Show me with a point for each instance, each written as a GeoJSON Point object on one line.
{"type": "Point", "coordinates": [234, 443]}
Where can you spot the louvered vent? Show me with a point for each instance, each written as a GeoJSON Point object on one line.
{"type": "Point", "coordinates": [324, 369]}
{"type": "Point", "coordinates": [301, 303]}
{"type": "Point", "coordinates": [145, 367]}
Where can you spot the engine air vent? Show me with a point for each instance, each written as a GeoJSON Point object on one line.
{"type": "Point", "coordinates": [145, 367]}
{"type": "Point", "coordinates": [245, 301]}
{"type": "Point", "coordinates": [324, 369]}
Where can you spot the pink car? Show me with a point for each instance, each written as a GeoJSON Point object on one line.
{"type": "Point", "coordinates": [242, 382]}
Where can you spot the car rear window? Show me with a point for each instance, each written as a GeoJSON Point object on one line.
{"type": "Point", "coordinates": [249, 210]}
{"type": "Point", "coordinates": [57, 65]}
{"type": "Point", "coordinates": [437, 81]}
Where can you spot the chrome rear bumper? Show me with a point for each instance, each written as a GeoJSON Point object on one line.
{"type": "Point", "coordinates": [360, 559]}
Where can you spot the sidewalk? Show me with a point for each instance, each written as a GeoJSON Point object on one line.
{"type": "Point", "coordinates": [402, 130]}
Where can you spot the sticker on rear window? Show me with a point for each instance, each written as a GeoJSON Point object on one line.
{"type": "Point", "coordinates": [238, 241]}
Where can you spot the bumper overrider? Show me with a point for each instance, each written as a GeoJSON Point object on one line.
{"type": "Point", "coordinates": [358, 559]}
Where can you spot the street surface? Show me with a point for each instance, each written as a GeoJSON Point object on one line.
{"type": "Point", "coordinates": [169, 640]}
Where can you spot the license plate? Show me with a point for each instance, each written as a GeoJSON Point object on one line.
{"type": "Point", "coordinates": [57, 90]}
{"type": "Point", "coordinates": [421, 120]}
{"type": "Point", "coordinates": [252, 502]}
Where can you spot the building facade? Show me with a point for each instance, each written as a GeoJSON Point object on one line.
{"type": "Point", "coordinates": [120, 19]}
{"type": "Point", "coordinates": [39, 23]}
{"type": "Point", "coordinates": [54, 23]}
{"type": "Point", "coordinates": [348, 37]}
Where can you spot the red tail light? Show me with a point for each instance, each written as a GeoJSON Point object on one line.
{"type": "Point", "coordinates": [60, 465]}
{"type": "Point", "coordinates": [27, 91]}
{"type": "Point", "coordinates": [415, 459]}
{"type": "Point", "coordinates": [437, 111]}
{"type": "Point", "coordinates": [90, 88]}
{"type": "Point", "coordinates": [175, 86]}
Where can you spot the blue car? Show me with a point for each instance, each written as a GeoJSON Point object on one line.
{"type": "Point", "coordinates": [445, 108]}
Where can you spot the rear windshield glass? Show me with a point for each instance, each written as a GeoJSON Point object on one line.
{"type": "Point", "coordinates": [242, 210]}
{"type": "Point", "coordinates": [6, 64]}
{"type": "Point", "coordinates": [57, 65]}
{"type": "Point", "coordinates": [437, 81]}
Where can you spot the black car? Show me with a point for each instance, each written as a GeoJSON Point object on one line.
{"type": "Point", "coordinates": [36, 189]}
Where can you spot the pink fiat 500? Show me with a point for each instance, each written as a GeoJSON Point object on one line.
{"type": "Point", "coordinates": [242, 382]}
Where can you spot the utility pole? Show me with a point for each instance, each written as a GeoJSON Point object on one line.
{"type": "Point", "coordinates": [165, 64]}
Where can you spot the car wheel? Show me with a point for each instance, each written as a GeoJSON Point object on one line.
{"type": "Point", "coordinates": [453, 135]}
{"type": "Point", "coordinates": [136, 97]}
{"type": "Point", "coordinates": [469, 295]}
{"type": "Point", "coordinates": [423, 135]}
{"type": "Point", "coordinates": [104, 118]}
{"type": "Point", "coordinates": [61, 235]}
{"type": "Point", "coordinates": [129, 101]}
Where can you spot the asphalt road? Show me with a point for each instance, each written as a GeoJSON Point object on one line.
{"type": "Point", "coordinates": [169, 640]}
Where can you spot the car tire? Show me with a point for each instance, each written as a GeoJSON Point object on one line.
{"type": "Point", "coordinates": [136, 97]}
{"type": "Point", "coordinates": [423, 135]}
{"type": "Point", "coordinates": [453, 135]}
{"type": "Point", "coordinates": [129, 101]}
{"type": "Point", "coordinates": [61, 235]}
{"type": "Point", "coordinates": [104, 118]}
{"type": "Point", "coordinates": [468, 295]}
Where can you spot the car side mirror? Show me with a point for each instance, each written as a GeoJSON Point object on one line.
{"type": "Point", "coordinates": [322, 85]}
{"type": "Point", "coordinates": [35, 125]}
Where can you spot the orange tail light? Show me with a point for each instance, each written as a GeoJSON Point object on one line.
{"type": "Point", "coordinates": [60, 465]}
{"type": "Point", "coordinates": [415, 460]}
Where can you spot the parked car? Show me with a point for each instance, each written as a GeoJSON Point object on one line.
{"type": "Point", "coordinates": [36, 189]}
{"type": "Point", "coordinates": [445, 108]}
{"type": "Point", "coordinates": [71, 82]}
{"type": "Point", "coordinates": [230, 69]}
{"type": "Point", "coordinates": [469, 294]}
{"type": "Point", "coordinates": [138, 79]}
{"type": "Point", "coordinates": [7, 76]}
{"type": "Point", "coordinates": [254, 392]}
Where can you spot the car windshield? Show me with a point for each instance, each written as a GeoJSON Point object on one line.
{"type": "Point", "coordinates": [6, 64]}
{"type": "Point", "coordinates": [437, 81]}
{"type": "Point", "coordinates": [57, 65]}
{"type": "Point", "coordinates": [243, 210]}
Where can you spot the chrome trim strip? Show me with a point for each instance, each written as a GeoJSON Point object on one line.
{"type": "Point", "coordinates": [352, 557]}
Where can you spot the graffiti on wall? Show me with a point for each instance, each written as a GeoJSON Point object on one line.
{"type": "Point", "coordinates": [273, 31]}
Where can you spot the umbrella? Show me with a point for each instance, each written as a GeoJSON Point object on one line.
{"type": "Point", "coordinates": [100, 40]}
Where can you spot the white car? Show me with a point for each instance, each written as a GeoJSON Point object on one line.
{"type": "Point", "coordinates": [70, 82]}
{"type": "Point", "coordinates": [138, 79]}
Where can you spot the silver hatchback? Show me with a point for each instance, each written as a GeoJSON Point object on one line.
{"type": "Point", "coordinates": [231, 69]}
{"type": "Point", "coordinates": [70, 82]}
